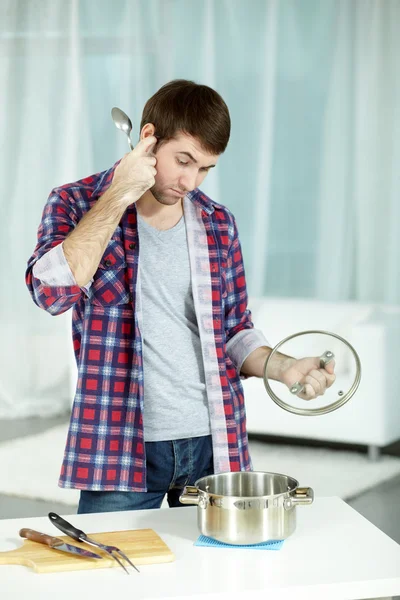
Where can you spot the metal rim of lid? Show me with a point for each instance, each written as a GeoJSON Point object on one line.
{"type": "Point", "coordinates": [323, 409]}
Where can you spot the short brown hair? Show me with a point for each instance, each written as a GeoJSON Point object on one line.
{"type": "Point", "coordinates": [188, 107]}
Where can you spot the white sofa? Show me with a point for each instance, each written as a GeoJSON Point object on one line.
{"type": "Point", "coordinates": [372, 416]}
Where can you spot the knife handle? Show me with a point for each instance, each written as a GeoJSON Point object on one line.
{"type": "Point", "coordinates": [67, 528]}
{"type": "Point", "coordinates": [42, 538]}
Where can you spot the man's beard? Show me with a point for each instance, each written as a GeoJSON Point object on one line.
{"type": "Point", "coordinates": [163, 199]}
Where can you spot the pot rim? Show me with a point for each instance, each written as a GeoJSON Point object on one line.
{"type": "Point", "coordinates": [248, 498]}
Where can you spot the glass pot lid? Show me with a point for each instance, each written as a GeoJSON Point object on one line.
{"type": "Point", "coordinates": [327, 347]}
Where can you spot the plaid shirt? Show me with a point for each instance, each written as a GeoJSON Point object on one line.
{"type": "Point", "coordinates": [105, 447]}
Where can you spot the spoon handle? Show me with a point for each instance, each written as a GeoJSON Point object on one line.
{"type": "Point", "coordinates": [129, 141]}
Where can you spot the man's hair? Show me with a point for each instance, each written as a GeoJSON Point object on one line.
{"type": "Point", "coordinates": [182, 106]}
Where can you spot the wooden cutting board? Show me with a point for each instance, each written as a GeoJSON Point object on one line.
{"type": "Point", "coordinates": [142, 546]}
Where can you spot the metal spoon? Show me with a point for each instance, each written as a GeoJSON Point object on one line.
{"type": "Point", "coordinates": [123, 122]}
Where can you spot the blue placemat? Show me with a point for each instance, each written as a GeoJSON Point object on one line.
{"type": "Point", "coordinates": [203, 540]}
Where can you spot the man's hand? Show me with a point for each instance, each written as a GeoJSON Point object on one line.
{"type": "Point", "coordinates": [85, 245]}
{"type": "Point", "coordinates": [308, 372]}
{"type": "Point", "coordinates": [136, 172]}
{"type": "Point", "coordinates": [289, 370]}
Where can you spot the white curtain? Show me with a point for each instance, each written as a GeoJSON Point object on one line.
{"type": "Point", "coordinates": [358, 241]}
{"type": "Point", "coordinates": [311, 171]}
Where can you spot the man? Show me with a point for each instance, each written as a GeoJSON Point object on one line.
{"type": "Point", "coordinates": [162, 334]}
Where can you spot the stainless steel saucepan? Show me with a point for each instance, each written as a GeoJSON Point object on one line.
{"type": "Point", "coordinates": [247, 507]}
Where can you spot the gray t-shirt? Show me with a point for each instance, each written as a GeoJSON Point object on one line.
{"type": "Point", "coordinates": [175, 399]}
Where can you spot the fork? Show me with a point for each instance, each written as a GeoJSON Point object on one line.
{"type": "Point", "coordinates": [80, 536]}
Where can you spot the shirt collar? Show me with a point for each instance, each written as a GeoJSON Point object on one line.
{"type": "Point", "coordinates": [105, 180]}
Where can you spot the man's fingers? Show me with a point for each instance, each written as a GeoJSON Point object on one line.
{"type": "Point", "coordinates": [150, 160]}
{"type": "Point", "coordinates": [146, 145]}
{"type": "Point", "coordinates": [321, 379]}
{"type": "Point", "coordinates": [308, 392]}
{"type": "Point", "coordinates": [149, 147]}
{"type": "Point", "coordinates": [330, 366]}
{"type": "Point", "coordinates": [330, 377]}
{"type": "Point", "coordinates": [315, 383]}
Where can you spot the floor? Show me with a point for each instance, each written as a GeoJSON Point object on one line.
{"type": "Point", "coordinates": [380, 505]}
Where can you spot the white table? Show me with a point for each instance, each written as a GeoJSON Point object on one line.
{"type": "Point", "coordinates": [334, 554]}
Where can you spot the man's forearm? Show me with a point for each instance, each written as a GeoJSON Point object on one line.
{"type": "Point", "coordinates": [255, 363]}
{"type": "Point", "coordinates": [86, 244]}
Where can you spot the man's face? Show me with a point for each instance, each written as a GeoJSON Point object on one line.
{"type": "Point", "coordinates": [181, 167]}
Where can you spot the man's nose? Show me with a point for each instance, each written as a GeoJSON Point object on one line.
{"type": "Point", "coordinates": [187, 182]}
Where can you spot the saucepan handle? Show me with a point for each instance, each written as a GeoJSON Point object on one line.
{"type": "Point", "coordinates": [303, 496]}
{"type": "Point", "coordinates": [190, 495]}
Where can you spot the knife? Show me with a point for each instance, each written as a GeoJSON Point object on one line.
{"type": "Point", "coordinates": [55, 543]}
{"type": "Point", "coordinates": [80, 536]}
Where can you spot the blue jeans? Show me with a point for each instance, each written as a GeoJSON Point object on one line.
{"type": "Point", "coordinates": [170, 466]}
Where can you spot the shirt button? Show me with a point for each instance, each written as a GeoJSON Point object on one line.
{"type": "Point", "coordinates": [107, 263]}
{"type": "Point", "coordinates": [131, 245]}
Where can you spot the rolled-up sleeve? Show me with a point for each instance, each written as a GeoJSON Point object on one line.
{"type": "Point", "coordinates": [51, 283]}
{"type": "Point", "coordinates": [53, 269]}
{"type": "Point", "coordinates": [244, 343]}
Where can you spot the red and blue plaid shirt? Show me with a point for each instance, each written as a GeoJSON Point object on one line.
{"type": "Point", "coordinates": [105, 445]}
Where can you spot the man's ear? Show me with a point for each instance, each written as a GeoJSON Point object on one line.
{"type": "Point", "coordinates": [147, 130]}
